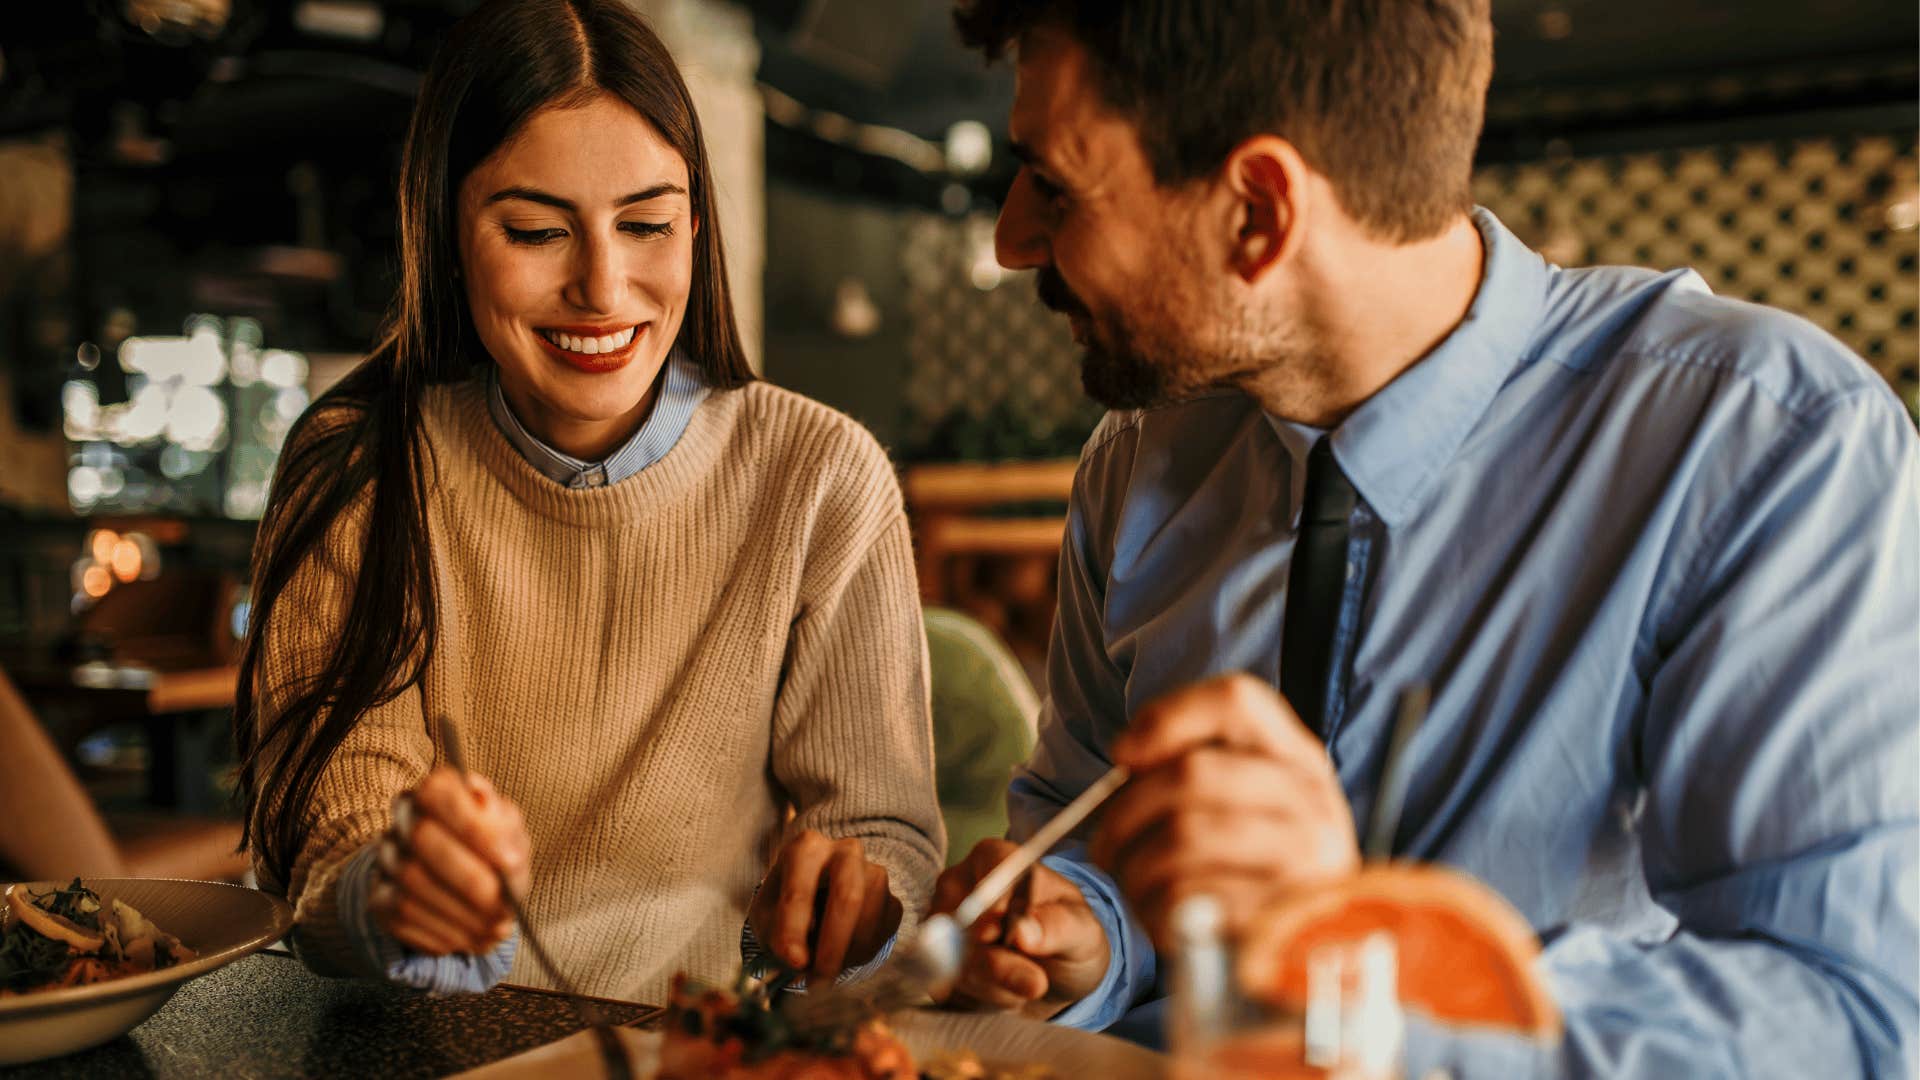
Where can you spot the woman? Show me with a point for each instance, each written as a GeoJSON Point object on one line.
{"type": "Point", "coordinates": [669, 609]}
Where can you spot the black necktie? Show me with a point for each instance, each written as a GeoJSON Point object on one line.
{"type": "Point", "coordinates": [1314, 584]}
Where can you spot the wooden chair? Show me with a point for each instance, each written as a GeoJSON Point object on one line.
{"type": "Point", "coordinates": [997, 567]}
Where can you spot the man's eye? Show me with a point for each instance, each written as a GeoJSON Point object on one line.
{"type": "Point", "coordinates": [533, 236]}
{"type": "Point", "coordinates": [1047, 189]}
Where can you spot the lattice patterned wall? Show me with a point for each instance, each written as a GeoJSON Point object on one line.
{"type": "Point", "coordinates": [1824, 228]}
{"type": "Point", "coordinates": [990, 365]}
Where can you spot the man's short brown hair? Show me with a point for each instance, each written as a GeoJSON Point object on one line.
{"type": "Point", "coordinates": [1383, 97]}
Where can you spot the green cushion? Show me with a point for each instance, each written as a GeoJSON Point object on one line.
{"type": "Point", "coordinates": [983, 725]}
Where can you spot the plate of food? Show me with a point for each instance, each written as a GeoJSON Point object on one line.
{"type": "Point", "coordinates": [714, 1034]}
{"type": "Point", "coordinates": [82, 962]}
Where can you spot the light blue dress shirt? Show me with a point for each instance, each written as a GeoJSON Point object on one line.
{"type": "Point", "coordinates": [1657, 554]}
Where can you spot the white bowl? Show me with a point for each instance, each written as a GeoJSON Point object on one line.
{"type": "Point", "coordinates": [220, 922]}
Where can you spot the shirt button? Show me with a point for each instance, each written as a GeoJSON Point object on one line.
{"type": "Point", "coordinates": [1352, 569]}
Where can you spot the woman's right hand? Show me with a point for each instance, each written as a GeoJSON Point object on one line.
{"type": "Point", "coordinates": [441, 863]}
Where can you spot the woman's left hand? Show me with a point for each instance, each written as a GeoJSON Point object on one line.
{"type": "Point", "coordinates": [824, 907]}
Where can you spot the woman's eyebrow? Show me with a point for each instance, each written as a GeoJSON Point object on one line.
{"type": "Point", "coordinates": [536, 195]}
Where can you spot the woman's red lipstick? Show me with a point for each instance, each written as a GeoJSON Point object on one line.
{"type": "Point", "coordinates": [598, 363]}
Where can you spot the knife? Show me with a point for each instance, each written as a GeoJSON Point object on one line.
{"type": "Point", "coordinates": [936, 952]}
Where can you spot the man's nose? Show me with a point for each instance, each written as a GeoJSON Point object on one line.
{"type": "Point", "coordinates": [1020, 237]}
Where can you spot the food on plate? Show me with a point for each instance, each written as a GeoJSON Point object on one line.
{"type": "Point", "coordinates": [714, 1034]}
{"type": "Point", "coordinates": [1465, 956]}
{"type": "Point", "coordinates": [68, 937]}
{"type": "Point", "coordinates": [743, 1035]}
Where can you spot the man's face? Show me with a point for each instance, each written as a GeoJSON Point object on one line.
{"type": "Point", "coordinates": [1135, 266]}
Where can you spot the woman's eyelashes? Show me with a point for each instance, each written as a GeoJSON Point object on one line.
{"type": "Point", "coordinates": [535, 237]}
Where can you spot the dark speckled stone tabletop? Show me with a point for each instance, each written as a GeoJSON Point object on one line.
{"type": "Point", "coordinates": [268, 1016]}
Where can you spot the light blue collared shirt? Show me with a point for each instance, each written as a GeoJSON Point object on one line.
{"type": "Point", "coordinates": [683, 387]}
{"type": "Point", "coordinates": [1657, 554]}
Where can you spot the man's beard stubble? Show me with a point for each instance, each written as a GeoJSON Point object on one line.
{"type": "Point", "coordinates": [1135, 360]}
{"type": "Point", "coordinates": [1115, 376]}
{"type": "Point", "coordinates": [1138, 359]}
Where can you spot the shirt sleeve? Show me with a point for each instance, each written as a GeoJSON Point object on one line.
{"type": "Point", "coordinates": [1084, 705]}
{"type": "Point", "coordinates": [853, 733]}
{"type": "Point", "coordinates": [458, 973]}
{"type": "Point", "coordinates": [753, 959]}
{"type": "Point", "coordinates": [1778, 749]}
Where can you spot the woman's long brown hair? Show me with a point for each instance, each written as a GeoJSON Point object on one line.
{"type": "Point", "coordinates": [506, 61]}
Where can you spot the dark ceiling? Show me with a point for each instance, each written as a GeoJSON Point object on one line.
{"type": "Point", "coordinates": [887, 62]}
{"type": "Point", "coordinates": [929, 81]}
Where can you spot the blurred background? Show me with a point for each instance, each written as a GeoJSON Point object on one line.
{"type": "Point", "coordinates": [196, 238]}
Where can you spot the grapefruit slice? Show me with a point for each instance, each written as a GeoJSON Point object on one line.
{"type": "Point", "coordinates": [1466, 957]}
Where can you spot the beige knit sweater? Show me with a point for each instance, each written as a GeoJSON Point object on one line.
{"type": "Point", "coordinates": [654, 671]}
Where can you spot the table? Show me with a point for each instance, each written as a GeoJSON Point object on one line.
{"type": "Point", "coordinates": [266, 1015]}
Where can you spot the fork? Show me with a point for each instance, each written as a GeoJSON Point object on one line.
{"type": "Point", "coordinates": [588, 1014]}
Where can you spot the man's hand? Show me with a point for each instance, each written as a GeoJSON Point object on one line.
{"type": "Point", "coordinates": [1231, 796]}
{"type": "Point", "coordinates": [438, 886]}
{"type": "Point", "coordinates": [1056, 954]}
{"type": "Point", "coordinates": [824, 908]}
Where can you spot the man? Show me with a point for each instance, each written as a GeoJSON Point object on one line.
{"type": "Point", "coordinates": [1653, 552]}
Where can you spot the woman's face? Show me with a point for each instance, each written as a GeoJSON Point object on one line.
{"type": "Point", "coordinates": [576, 244]}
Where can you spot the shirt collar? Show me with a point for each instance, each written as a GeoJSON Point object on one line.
{"type": "Point", "coordinates": [1398, 441]}
{"type": "Point", "coordinates": [1298, 440]}
{"type": "Point", "coordinates": [683, 388]}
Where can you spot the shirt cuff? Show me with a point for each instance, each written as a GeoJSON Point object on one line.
{"type": "Point", "coordinates": [1130, 963]}
{"type": "Point", "coordinates": [753, 958]}
{"type": "Point", "coordinates": [1435, 1050]}
{"type": "Point", "coordinates": [458, 973]}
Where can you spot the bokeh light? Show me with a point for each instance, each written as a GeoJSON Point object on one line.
{"type": "Point", "coordinates": [126, 560]}
{"type": "Point", "coordinates": [100, 544]}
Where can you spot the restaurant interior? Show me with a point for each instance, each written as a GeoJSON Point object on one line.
{"type": "Point", "coordinates": [197, 237]}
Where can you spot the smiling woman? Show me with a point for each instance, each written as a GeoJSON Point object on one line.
{"type": "Point", "coordinates": [672, 608]}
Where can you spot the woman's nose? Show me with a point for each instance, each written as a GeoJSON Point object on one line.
{"type": "Point", "coordinates": [600, 278]}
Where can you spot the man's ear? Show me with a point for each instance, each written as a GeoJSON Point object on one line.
{"type": "Point", "coordinates": [1268, 180]}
